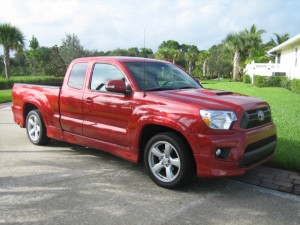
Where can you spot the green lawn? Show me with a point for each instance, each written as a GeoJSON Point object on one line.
{"type": "Point", "coordinates": [5, 96]}
{"type": "Point", "coordinates": [285, 106]}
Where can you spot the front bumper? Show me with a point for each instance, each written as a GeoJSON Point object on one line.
{"type": "Point", "coordinates": [247, 149]}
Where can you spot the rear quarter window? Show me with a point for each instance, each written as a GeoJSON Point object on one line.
{"type": "Point", "coordinates": [77, 75]}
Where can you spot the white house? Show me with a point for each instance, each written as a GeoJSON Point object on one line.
{"type": "Point", "coordinates": [287, 61]}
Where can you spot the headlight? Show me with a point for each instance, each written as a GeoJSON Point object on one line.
{"type": "Point", "coordinates": [215, 119]}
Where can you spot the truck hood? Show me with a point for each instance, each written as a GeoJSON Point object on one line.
{"type": "Point", "coordinates": [212, 99]}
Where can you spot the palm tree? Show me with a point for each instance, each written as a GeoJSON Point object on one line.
{"type": "Point", "coordinates": [280, 38]}
{"type": "Point", "coordinates": [202, 61]}
{"type": "Point", "coordinates": [254, 39]}
{"type": "Point", "coordinates": [12, 39]}
{"type": "Point", "coordinates": [165, 54]}
{"type": "Point", "coordinates": [244, 44]}
{"type": "Point", "coordinates": [236, 43]}
{"type": "Point", "coordinates": [191, 56]}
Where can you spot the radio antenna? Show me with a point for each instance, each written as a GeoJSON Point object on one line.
{"type": "Point", "coordinates": [144, 63]}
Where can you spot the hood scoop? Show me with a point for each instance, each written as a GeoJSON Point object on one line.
{"type": "Point", "coordinates": [216, 92]}
{"type": "Point", "coordinates": [224, 93]}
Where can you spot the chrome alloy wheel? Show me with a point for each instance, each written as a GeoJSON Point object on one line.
{"type": "Point", "coordinates": [164, 161]}
{"type": "Point", "coordinates": [34, 127]}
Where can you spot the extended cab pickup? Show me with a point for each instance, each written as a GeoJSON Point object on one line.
{"type": "Point", "coordinates": [152, 111]}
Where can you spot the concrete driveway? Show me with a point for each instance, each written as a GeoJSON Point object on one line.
{"type": "Point", "coordinates": [67, 184]}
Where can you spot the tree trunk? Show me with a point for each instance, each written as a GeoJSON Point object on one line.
{"type": "Point", "coordinates": [190, 67]}
{"type": "Point", "coordinates": [236, 60]}
{"type": "Point", "coordinates": [6, 63]}
{"type": "Point", "coordinates": [204, 68]}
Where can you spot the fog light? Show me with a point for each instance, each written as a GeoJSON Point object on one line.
{"type": "Point", "coordinates": [218, 152]}
{"type": "Point", "coordinates": [222, 153]}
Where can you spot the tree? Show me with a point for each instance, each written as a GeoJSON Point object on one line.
{"type": "Point", "coordinates": [118, 52]}
{"type": "Point", "coordinates": [235, 43]}
{"type": "Point", "coordinates": [243, 44]}
{"type": "Point", "coordinates": [56, 65]}
{"type": "Point", "coordinates": [133, 52]}
{"type": "Point", "coordinates": [12, 39]}
{"type": "Point", "coordinates": [169, 50]}
{"type": "Point", "coordinates": [219, 61]}
{"type": "Point", "coordinates": [171, 44]}
{"type": "Point", "coordinates": [71, 48]}
{"type": "Point", "coordinates": [165, 54]}
{"type": "Point", "coordinates": [33, 55]}
{"type": "Point", "coordinates": [253, 39]}
{"type": "Point", "coordinates": [146, 52]}
{"type": "Point", "coordinates": [191, 56]}
{"type": "Point", "coordinates": [202, 61]}
{"type": "Point", "coordinates": [34, 44]}
{"type": "Point", "coordinates": [93, 53]}
{"type": "Point", "coordinates": [280, 38]}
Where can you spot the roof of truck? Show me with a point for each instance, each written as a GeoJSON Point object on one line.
{"type": "Point", "coordinates": [118, 58]}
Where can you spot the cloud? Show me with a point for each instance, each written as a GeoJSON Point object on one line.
{"type": "Point", "coordinates": [106, 25]}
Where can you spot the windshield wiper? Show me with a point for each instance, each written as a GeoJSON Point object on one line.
{"type": "Point", "coordinates": [159, 89]}
{"type": "Point", "coordinates": [187, 87]}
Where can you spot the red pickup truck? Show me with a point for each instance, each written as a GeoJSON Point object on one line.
{"type": "Point", "coordinates": [152, 111]}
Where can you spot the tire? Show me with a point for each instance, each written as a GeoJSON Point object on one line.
{"type": "Point", "coordinates": [168, 160]}
{"type": "Point", "coordinates": [35, 127]}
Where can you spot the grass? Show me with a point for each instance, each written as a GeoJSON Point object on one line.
{"type": "Point", "coordinates": [285, 112]}
{"type": "Point", "coordinates": [5, 96]}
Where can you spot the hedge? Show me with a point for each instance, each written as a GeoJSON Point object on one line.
{"type": "Point", "coordinates": [246, 79]}
{"type": "Point", "coordinates": [273, 81]}
{"type": "Point", "coordinates": [7, 84]}
{"type": "Point", "coordinates": [295, 86]}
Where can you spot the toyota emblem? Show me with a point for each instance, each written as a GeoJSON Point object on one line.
{"type": "Point", "coordinates": [260, 116]}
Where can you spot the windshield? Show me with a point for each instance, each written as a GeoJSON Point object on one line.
{"type": "Point", "coordinates": [156, 76]}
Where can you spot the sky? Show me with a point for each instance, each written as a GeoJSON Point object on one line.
{"type": "Point", "coordinates": [109, 24]}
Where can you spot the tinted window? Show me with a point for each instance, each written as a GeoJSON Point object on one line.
{"type": "Point", "coordinates": [103, 73]}
{"type": "Point", "coordinates": [155, 76]}
{"type": "Point", "coordinates": [77, 75]}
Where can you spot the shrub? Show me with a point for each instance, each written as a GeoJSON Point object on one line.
{"type": "Point", "coordinates": [286, 83]}
{"type": "Point", "coordinates": [274, 81]}
{"type": "Point", "coordinates": [260, 81]}
{"type": "Point", "coordinates": [295, 86]}
{"type": "Point", "coordinates": [246, 79]}
{"type": "Point", "coordinates": [225, 77]}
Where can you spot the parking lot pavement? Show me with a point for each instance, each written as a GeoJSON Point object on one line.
{"type": "Point", "coordinates": [68, 184]}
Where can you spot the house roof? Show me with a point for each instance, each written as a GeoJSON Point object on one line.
{"type": "Point", "coordinates": [291, 41]}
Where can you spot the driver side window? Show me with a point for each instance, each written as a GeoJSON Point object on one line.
{"type": "Point", "coordinates": [103, 73]}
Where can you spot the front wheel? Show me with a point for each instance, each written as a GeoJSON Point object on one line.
{"type": "Point", "coordinates": [35, 127]}
{"type": "Point", "coordinates": [168, 160]}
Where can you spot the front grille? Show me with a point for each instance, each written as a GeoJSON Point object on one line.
{"type": "Point", "coordinates": [251, 118]}
{"type": "Point", "coordinates": [258, 152]}
{"type": "Point", "coordinates": [260, 143]}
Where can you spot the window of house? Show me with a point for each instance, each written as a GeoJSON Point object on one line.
{"type": "Point", "coordinates": [103, 73]}
{"type": "Point", "coordinates": [278, 58]}
{"type": "Point", "coordinates": [296, 56]}
{"type": "Point", "coordinates": [77, 75]}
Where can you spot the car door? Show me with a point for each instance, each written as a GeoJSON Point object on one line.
{"type": "Point", "coordinates": [106, 114]}
{"type": "Point", "coordinates": [71, 99]}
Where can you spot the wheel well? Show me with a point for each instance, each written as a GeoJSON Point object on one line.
{"type": "Point", "coordinates": [27, 108]}
{"type": "Point", "coordinates": [150, 130]}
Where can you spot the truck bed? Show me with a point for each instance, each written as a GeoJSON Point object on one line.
{"type": "Point", "coordinates": [43, 97]}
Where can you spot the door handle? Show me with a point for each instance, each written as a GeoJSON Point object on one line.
{"type": "Point", "coordinates": [89, 100]}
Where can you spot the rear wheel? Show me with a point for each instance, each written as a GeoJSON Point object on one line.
{"type": "Point", "coordinates": [35, 127]}
{"type": "Point", "coordinates": [168, 160]}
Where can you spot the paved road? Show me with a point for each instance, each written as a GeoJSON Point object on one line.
{"type": "Point", "coordinates": [68, 184]}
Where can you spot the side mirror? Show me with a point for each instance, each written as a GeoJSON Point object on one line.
{"type": "Point", "coordinates": [117, 86]}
